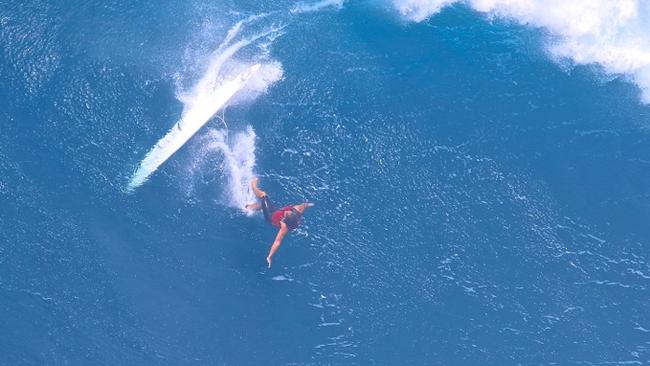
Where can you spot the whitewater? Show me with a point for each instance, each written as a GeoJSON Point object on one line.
{"type": "Point", "coordinates": [611, 34]}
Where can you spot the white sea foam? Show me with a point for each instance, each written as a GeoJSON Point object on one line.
{"type": "Point", "coordinates": [419, 10]}
{"type": "Point", "coordinates": [306, 7]}
{"type": "Point", "coordinates": [223, 78]}
{"type": "Point", "coordinates": [614, 34]}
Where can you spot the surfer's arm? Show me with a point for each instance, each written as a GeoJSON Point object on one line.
{"type": "Point", "coordinates": [276, 244]}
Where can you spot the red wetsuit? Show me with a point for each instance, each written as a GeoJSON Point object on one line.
{"type": "Point", "coordinates": [278, 215]}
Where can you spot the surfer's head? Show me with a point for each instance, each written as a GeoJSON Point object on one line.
{"type": "Point", "coordinates": [292, 217]}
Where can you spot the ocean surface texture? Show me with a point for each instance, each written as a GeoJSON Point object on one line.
{"type": "Point", "coordinates": [480, 171]}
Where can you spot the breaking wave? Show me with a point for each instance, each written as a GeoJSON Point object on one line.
{"type": "Point", "coordinates": [614, 34]}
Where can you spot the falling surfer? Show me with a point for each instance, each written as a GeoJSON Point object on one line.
{"type": "Point", "coordinates": [286, 218]}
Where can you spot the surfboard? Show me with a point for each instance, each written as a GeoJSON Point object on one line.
{"type": "Point", "coordinates": [193, 118]}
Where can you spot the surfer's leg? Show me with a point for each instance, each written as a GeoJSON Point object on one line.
{"type": "Point", "coordinates": [258, 192]}
{"type": "Point", "coordinates": [265, 205]}
{"type": "Point", "coordinates": [267, 208]}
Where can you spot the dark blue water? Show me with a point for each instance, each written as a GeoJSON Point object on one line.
{"type": "Point", "coordinates": [476, 202]}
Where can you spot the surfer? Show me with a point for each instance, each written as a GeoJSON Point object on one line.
{"type": "Point", "coordinates": [286, 218]}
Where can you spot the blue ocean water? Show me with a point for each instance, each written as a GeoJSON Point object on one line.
{"type": "Point", "coordinates": [478, 201]}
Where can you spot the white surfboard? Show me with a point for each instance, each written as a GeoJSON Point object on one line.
{"type": "Point", "coordinates": [193, 118]}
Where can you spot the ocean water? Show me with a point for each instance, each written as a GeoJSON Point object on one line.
{"type": "Point", "coordinates": [479, 169]}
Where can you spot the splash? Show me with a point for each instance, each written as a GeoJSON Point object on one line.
{"type": "Point", "coordinates": [237, 152]}
{"type": "Point", "coordinates": [214, 90]}
{"type": "Point", "coordinates": [614, 34]}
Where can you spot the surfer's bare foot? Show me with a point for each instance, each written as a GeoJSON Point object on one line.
{"type": "Point", "coordinates": [253, 206]}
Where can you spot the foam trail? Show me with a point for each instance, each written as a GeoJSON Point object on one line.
{"type": "Point", "coordinates": [232, 33]}
{"type": "Point", "coordinates": [304, 7]}
{"type": "Point", "coordinates": [211, 97]}
{"type": "Point", "coordinates": [614, 34]}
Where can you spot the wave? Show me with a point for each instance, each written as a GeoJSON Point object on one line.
{"type": "Point", "coordinates": [614, 34]}
{"type": "Point", "coordinates": [224, 78]}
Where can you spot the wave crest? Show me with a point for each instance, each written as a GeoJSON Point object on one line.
{"type": "Point", "coordinates": [614, 34]}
